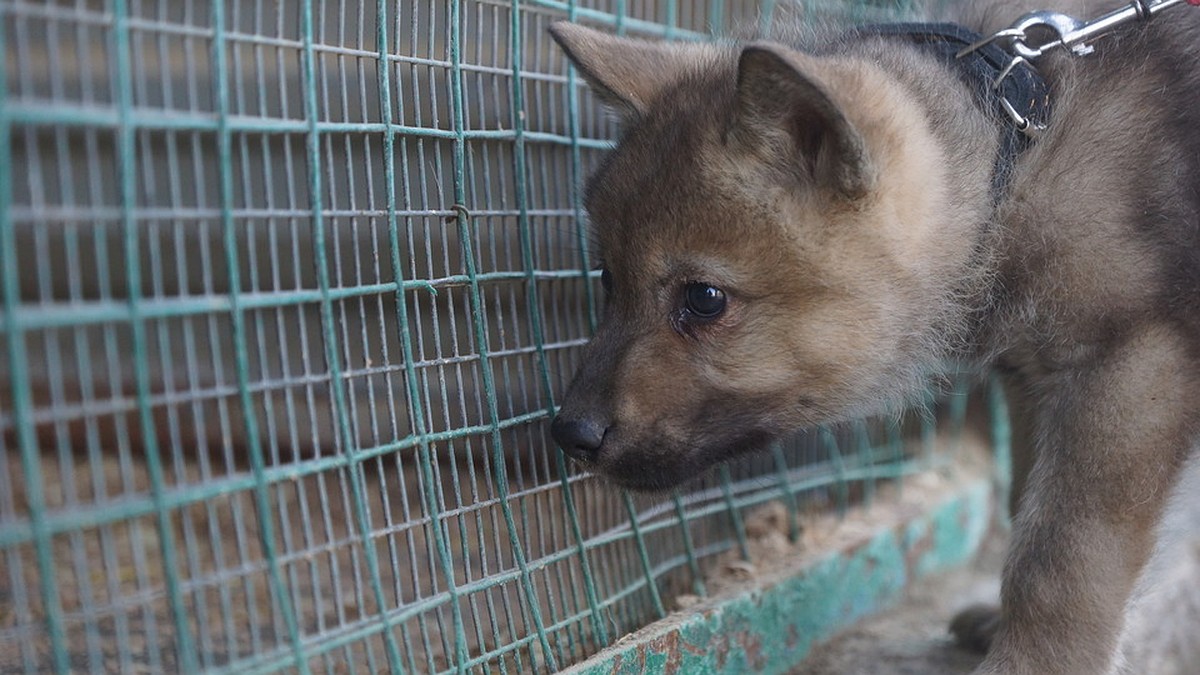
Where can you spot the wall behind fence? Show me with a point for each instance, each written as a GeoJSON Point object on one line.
{"type": "Point", "coordinates": [288, 290]}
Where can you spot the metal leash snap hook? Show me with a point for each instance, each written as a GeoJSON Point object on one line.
{"type": "Point", "coordinates": [1067, 31]}
{"type": "Point", "coordinates": [1016, 37]}
{"type": "Point", "coordinates": [1077, 35]}
{"type": "Point", "coordinates": [1063, 27]}
{"type": "Point", "coordinates": [1060, 30]}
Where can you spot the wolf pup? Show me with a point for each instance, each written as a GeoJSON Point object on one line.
{"type": "Point", "coordinates": [798, 234]}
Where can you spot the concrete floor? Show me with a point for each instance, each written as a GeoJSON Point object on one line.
{"type": "Point", "coordinates": [912, 638]}
{"type": "Point", "coordinates": [1162, 636]}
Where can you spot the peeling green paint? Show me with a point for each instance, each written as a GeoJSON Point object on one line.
{"type": "Point", "coordinates": [772, 628]}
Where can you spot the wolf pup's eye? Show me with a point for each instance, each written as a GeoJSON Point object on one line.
{"type": "Point", "coordinates": [606, 281]}
{"type": "Point", "coordinates": [704, 301]}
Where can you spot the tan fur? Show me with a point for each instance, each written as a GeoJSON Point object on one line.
{"type": "Point", "coordinates": [841, 199]}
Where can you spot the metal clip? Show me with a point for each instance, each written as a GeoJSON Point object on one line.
{"type": "Point", "coordinates": [1060, 31]}
{"type": "Point", "coordinates": [1066, 31]}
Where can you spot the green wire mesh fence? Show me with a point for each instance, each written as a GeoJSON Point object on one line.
{"type": "Point", "coordinates": [288, 291]}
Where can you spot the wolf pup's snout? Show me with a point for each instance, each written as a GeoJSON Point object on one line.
{"type": "Point", "coordinates": [579, 436]}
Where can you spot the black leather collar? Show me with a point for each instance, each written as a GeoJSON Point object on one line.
{"type": "Point", "coordinates": [1023, 88]}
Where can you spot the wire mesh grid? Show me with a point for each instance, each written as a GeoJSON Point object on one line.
{"type": "Point", "coordinates": [288, 291]}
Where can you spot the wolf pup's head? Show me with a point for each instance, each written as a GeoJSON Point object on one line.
{"type": "Point", "coordinates": [764, 228]}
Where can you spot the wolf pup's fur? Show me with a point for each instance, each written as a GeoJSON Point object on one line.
{"type": "Point", "coordinates": [793, 235]}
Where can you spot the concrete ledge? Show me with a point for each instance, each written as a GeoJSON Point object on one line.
{"type": "Point", "coordinates": [773, 624]}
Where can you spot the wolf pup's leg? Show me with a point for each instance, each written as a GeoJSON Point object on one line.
{"type": "Point", "coordinates": [1112, 438]}
{"type": "Point", "coordinates": [975, 627]}
{"type": "Point", "coordinates": [1022, 411]}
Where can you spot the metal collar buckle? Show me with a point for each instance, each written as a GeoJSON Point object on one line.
{"type": "Point", "coordinates": [1060, 31]}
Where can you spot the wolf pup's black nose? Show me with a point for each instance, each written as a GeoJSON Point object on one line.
{"type": "Point", "coordinates": [579, 438]}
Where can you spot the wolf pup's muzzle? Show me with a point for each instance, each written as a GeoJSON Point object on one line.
{"type": "Point", "coordinates": [579, 437]}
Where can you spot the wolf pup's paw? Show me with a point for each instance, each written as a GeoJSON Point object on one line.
{"type": "Point", "coordinates": [975, 627]}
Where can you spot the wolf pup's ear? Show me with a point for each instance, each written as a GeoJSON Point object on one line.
{"type": "Point", "coordinates": [780, 107]}
{"type": "Point", "coordinates": [626, 74]}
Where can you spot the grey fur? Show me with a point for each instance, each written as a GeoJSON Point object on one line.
{"type": "Point", "coordinates": [858, 258]}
